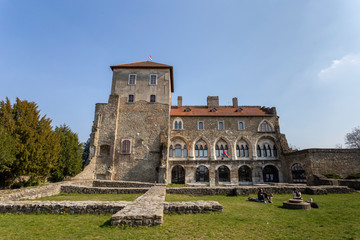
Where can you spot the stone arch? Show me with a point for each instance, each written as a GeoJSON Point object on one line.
{"type": "Point", "coordinates": [270, 173]}
{"type": "Point", "coordinates": [245, 173]}
{"type": "Point", "coordinates": [262, 129]}
{"type": "Point", "coordinates": [178, 174]}
{"type": "Point", "coordinates": [298, 173]}
{"type": "Point", "coordinates": [217, 147]}
{"type": "Point", "coordinates": [223, 173]}
{"type": "Point", "coordinates": [178, 143]}
{"type": "Point", "coordinates": [202, 174]}
{"type": "Point", "coordinates": [268, 146]}
{"type": "Point", "coordinates": [248, 143]}
{"type": "Point", "coordinates": [196, 148]}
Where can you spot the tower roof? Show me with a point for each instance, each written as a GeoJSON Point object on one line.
{"type": "Point", "coordinates": [147, 64]}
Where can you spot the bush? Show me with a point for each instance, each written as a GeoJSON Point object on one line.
{"type": "Point", "coordinates": [333, 175]}
{"type": "Point", "coordinates": [353, 176]}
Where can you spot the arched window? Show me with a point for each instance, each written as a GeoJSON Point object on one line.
{"type": "Point", "coordinates": [246, 151]}
{"type": "Point", "coordinates": [237, 151]}
{"type": "Point", "coordinates": [270, 174]}
{"type": "Point", "coordinates": [242, 151]}
{"type": "Point", "coordinates": [177, 150]}
{"type": "Point", "coordinates": [196, 151]}
{"type": "Point", "coordinates": [298, 173]}
{"type": "Point", "coordinates": [125, 146]}
{"type": "Point", "coordinates": [268, 150]}
{"type": "Point", "coordinates": [258, 151]}
{"type": "Point", "coordinates": [265, 127]}
{"type": "Point", "coordinates": [202, 174]}
{"type": "Point", "coordinates": [180, 125]}
{"type": "Point", "coordinates": [176, 125]}
{"type": "Point", "coordinates": [217, 151]}
{"type": "Point", "coordinates": [264, 151]}
{"type": "Point", "coordinates": [241, 125]}
{"type": "Point", "coordinates": [224, 174]}
{"type": "Point", "coordinates": [178, 175]}
{"type": "Point", "coordinates": [201, 152]}
{"type": "Point", "coordinates": [205, 151]}
{"type": "Point", "coordinates": [171, 151]}
{"type": "Point", "coordinates": [185, 152]}
{"type": "Point", "coordinates": [274, 151]}
{"type": "Point", "coordinates": [244, 174]}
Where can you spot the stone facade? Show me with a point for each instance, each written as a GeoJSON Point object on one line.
{"type": "Point", "coordinates": [139, 136]}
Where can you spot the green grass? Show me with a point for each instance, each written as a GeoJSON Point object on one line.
{"type": "Point", "coordinates": [88, 197]}
{"type": "Point", "coordinates": [175, 185]}
{"type": "Point", "coordinates": [337, 218]}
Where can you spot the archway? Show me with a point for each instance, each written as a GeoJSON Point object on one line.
{"type": "Point", "coordinates": [270, 174]}
{"type": "Point", "coordinates": [202, 174]}
{"type": "Point", "coordinates": [178, 175]}
{"type": "Point", "coordinates": [224, 174]}
{"type": "Point", "coordinates": [244, 174]}
{"type": "Point", "coordinates": [298, 173]}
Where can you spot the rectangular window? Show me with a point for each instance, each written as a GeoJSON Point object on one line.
{"type": "Point", "coordinates": [221, 125]}
{"type": "Point", "coordinates": [125, 148]}
{"type": "Point", "coordinates": [153, 79]}
{"type": "Point", "coordinates": [201, 125]}
{"type": "Point", "coordinates": [131, 99]}
{"type": "Point", "coordinates": [132, 79]}
{"type": "Point", "coordinates": [152, 98]}
{"type": "Point", "coordinates": [241, 126]}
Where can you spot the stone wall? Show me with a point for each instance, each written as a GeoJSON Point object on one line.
{"type": "Point", "coordinates": [323, 161]}
{"type": "Point", "coordinates": [192, 207]}
{"type": "Point", "coordinates": [122, 184]}
{"type": "Point", "coordinates": [32, 192]}
{"type": "Point", "coordinates": [101, 190]}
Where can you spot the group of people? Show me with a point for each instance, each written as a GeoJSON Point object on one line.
{"type": "Point", "coordinates": [267, 198]}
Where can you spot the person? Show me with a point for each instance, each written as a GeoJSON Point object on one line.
{"type": "Point", "coordinates": [261, 195]}
{"type": "Point", "coordinates": [296, 194]}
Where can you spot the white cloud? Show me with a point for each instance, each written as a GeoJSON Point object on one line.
{"type": "Point", "coordinates": [346, 69]}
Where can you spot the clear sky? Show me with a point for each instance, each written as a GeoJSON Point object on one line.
{"type": "Point", "coordinates": [303, 57]}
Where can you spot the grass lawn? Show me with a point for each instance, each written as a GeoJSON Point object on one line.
{"type": "Point", "coordinates": [88, 197]}
{"type": "Point", "coordinates": [337, 218]}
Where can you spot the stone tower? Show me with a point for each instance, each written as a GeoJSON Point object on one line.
{"type": "Point", "coordinates": [130, 134]}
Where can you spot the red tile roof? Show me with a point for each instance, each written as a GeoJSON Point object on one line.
{"type": "Point", "coordinates": [221, 111]}
{"type": "Point", "coordinates": [147, 64]}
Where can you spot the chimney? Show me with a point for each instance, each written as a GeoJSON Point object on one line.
{"type": "Point", "coordinates": [179, 101]}
{"type": "Point", "coordinates": [235, 102]}
{"type": "Point", "coordinates": [212, 101]}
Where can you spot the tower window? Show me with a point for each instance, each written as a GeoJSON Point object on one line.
{"type": "Point", "coordinates": [131, 99]}
{"type": "Point", "coordinates": [221, 125]}
{"type": "Point", "coordinates": [125, 148]}
{"type": "Point", "coordinates": [241, 126]}
{"type": "Point", "coordinates": [201, 125]}
{"type": "Point", "coordinates": [152, 98]}
{"type": "Point", "coordinates": [153, 79]}
{"type": "Point", "coordinates": [132, 79]}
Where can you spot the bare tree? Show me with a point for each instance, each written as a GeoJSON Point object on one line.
{"type": "Point", "coordinates": [352, 140]}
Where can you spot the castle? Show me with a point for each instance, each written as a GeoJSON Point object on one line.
{"type": "Point", "coordinates": [139, 136]}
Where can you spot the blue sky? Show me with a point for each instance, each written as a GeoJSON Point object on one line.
{"type": "Point", "coordinates": [302, 57]}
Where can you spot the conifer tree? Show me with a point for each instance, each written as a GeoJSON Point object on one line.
{"type": "Point", "coordinates": [69, 162]}
{"type": "Point", "coordinates": [7, 157]}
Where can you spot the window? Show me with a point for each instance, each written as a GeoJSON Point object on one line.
{"type": "Point", "coordinates": [131, 99]}
{"type": "Point", "coordinates": [177, 150]}
{"type": "Point", "coordinates": [185, 152]}
{"type": "Point", "coordinates": [265, 127]}
{"type": "Point", "coordinates": [268, 150]}
{"type": "Point", "coordinates": [202, 174]}
{"type": "Point", "coordinates": [221, 125]}
{"type": "Point", "coordinates": [224, 174]}
{"type": "Point", "coordinates": [171, 151]}
{"type": "Point", "coordinates": [241, 126]}
{"type": "Point", "coordinates": [153, 79]}
{"type": "Point", "coordinates": [152, 98]}
{"type": "Point", "coordinates": [196, 151]}
{"type": "Point", "coordinates": [264, 151]}
{"type": "Point", "coordinates": [217, 150]}
{"type": "Point", "coordinates": [274, 151]}
{"type": "Point", "coordinates": [132, 79]}
{"type": "Point", "coordinates": [221, 149]}
{"type": "Point", "coordinates": [205, 151]}
{"type": "Point", "coordinates": [178, 124]}
{"type": "Point", "coordinates": [201, 125]}
{"type": "Point", "coordinates": [178, 175]}
{"type": "Point", "coordinates": [244, 174]}
{"type": "Point", "coordinates": [258, 151]}
{"type": "Point", "coordinates": [125, 146]}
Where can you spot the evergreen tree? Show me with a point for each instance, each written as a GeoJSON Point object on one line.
{"type": "Point", "coordinates": [86, 153]}
{"type": "Point", "coordinates": [37, 147]}
{"type": "Point", "coordinates": [69, 162]}
{"type": "Point", "coordinates": [7, 157]}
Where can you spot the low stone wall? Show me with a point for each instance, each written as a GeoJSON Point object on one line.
{"type": "Point", "coordinates": [355, 184]}
{"type": "Point", "coordinates": [255, 189]}
{"type": "Point", "coordinates": [146, 210]}
{"type": "Point", "coordinates": [100, 190]}
{"type": "Point", "coordinates": [192, 207]}
{"type": "Point", "coordinates": [48, 189]}
{"type": "Point", "coordinates": [121, 184]}
{"type": "Point", "coordinates": [71, 207]}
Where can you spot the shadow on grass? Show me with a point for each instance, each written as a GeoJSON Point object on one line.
{"type": "Point", "coordinates": [106, 224]}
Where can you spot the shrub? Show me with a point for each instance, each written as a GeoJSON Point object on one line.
{"type": "Point", "coordinates": [353, 176]}
{"type": "Point", "coordinates": [333, 175]}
